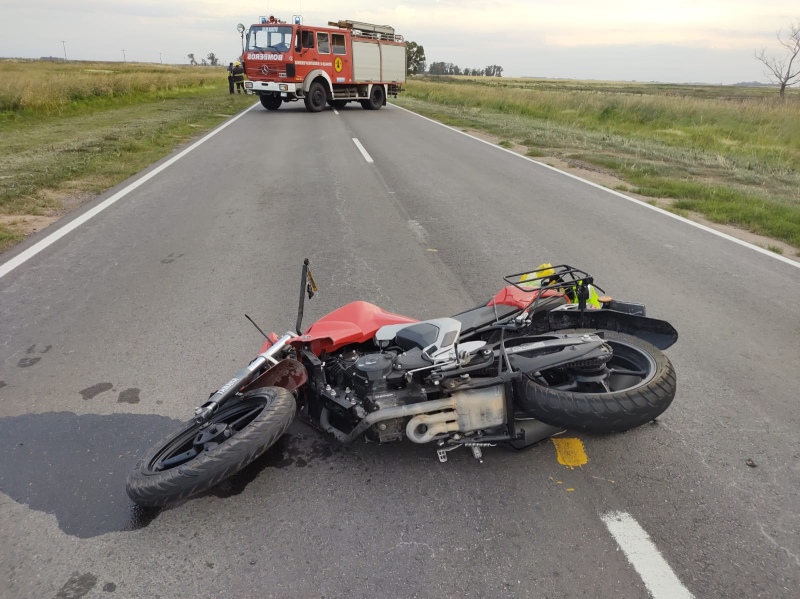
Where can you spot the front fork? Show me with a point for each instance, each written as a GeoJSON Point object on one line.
{"type": "Point", "coordinates": [203, 414]}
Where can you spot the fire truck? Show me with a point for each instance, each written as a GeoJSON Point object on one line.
{"type": "Point", "coordinates": [347, 61]}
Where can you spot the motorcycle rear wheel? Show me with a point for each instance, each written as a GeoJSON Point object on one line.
{"type": "Point", "coordinates": [194, 458]}
{"type": "Point", "coordinates": [637, 385]}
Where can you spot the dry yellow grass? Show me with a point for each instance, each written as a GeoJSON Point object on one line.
{"type": "Point", "coordinates": [52, 87]}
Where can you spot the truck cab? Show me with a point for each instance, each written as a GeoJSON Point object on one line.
{"type": "Point", "coordinates": [344, 62]}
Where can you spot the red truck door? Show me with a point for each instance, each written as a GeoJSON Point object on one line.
{"type": "Point", "coordinates": [342, 62]}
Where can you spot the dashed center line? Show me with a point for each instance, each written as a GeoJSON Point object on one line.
{"type": "Point", "coordinates": [364, 153]}
{"type": "Point", "coordinates": [335, 111]}
{"type": "Point", "coordinates": [658, 577]}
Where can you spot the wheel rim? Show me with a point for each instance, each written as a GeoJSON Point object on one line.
{"type": "Point", "coordinates": [318, 97]}
{"type": "Point", "coordinates": [197, 439]}
{"type": "Point", "coordinates": [629, 368]}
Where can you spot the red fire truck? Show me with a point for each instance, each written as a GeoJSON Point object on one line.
{"type": "Point", "coordinates": [344, 62]}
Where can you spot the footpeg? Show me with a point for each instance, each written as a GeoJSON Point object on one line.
{"type": "Point", "coordinates": [442, 453]}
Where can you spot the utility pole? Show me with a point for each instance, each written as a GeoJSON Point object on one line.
{"type": "Point", "coordinates": [123, 56]}
{"type": "Point", "coordinates": [159, 58]}
{"type": "Point", "coordinates": [64, 43]}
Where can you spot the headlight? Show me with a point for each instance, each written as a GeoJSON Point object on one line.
{"type": "Point", "coordinates": [248, 84]}
{"type": "Point", "coordinates": [283, 87]}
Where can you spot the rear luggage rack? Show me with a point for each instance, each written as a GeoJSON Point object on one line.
{"type": "Point", "coordinates": [571, 281]}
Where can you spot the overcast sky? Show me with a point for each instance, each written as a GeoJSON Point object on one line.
{"type": "Point", "coordinates": [645, 40]}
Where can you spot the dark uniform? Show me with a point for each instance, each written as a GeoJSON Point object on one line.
{"type": "Point", "coordinates": [238, 77]}
{"type": "Point", "coordinates": [230, 77]}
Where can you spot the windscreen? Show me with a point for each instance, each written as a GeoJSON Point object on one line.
{"type": "Point", "coordinates": [269, 38]}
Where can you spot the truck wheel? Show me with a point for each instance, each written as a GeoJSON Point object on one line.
{"type": "Point", "coordinates": [316, 97]}
{"type": "Point", "coordinates": [377, 97]}
{"type": "Point", "coordinates": [271, 102]}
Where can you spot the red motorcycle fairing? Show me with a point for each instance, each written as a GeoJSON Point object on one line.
{"type": "Point", "coordinates": [516, 297]}
{"type": "Point", "coordinates": [289, 374]}
{"type": "Point", "coordinates": [356, 322]}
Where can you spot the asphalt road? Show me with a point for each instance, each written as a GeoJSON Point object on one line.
{"type": "Point", "coordinates": [116, 331]}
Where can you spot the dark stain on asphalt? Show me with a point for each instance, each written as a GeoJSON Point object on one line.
{"type": "Point", "coordinates": [27, 362]}
{"type": "Point", "coordinates": [2, 384]}
{"type": "Point", "coordinates": [109, 587]}
{"type": "Point", "coordinates": [95, 390]}
{"type": "Point", "coordinates": [293, 449]}
{"type": "Point", "coordinates": [77, 586]}
{"type": "Point", "coordinates": [129, 396]}
{"type": "Point", "coordinates": [171, 258]}
{"type": "Point", "coordinates": [276, 456]}
{"type": "Point", "coordinates": [75, 467]}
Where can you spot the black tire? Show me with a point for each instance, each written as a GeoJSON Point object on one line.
{"type": "Point", "coordinates": [271, 102]}
{"type": "Point", "coordinates": [263, 415]}
{"type": "Point", "coordinates": [633, 400]}
{"type": "Point", "coordinates": [337, 103]}
{"type": "Point", "coordinates": [316, 97]}
{"type": "Point", "coordinates": [377, 97]}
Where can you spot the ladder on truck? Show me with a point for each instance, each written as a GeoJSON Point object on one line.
{"type": "Point", "coordinates": [368, 30]}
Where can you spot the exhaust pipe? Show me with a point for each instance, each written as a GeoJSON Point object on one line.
{"type": "Point", "coordinates": [475, 409]}
{"type": "Point", "coordinates": [465, 411]}
{"type": "Point", "coordinates": [434, 425]}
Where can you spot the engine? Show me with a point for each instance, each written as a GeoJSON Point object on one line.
{"type": "Point", "coordinates": [364, 383]}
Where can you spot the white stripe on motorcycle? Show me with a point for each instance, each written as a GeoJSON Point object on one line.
{"type": "Point", "coordinates": [658, 577]}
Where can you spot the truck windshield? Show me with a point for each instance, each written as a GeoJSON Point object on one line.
{"type": "Point", "coordinates": [270, 38]}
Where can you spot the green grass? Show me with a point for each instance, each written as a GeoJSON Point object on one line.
{"type": "Point", "coordinates": [731, 154]}
{"type": "Point", "coordinates": [53, 151]}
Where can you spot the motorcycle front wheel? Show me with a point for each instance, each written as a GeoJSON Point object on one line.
{"type": "Point", "coordinates": [196, 457]}
{"type": "Point", "coordinates": [635, 386]}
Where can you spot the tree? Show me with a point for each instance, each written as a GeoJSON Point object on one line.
{"type": "Point", "coordinates": [783, 70]}
{"type": "Point", "coordinates": [192, 61]}
{"type": "Point", "coordinates": [415, 58]}
{"type": "Point", "coordinates": [212, 58]}
{"type": "Point", "coordinates": [494, 70]}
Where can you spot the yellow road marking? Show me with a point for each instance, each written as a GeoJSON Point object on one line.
{"type": "Point", "coordinates": [570, 452]}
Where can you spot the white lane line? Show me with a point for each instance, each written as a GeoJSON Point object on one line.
{"type": "Point", "coordinates": [74, 224]}
{"type": "Point", "coordinates": [658, 577]}
{"type": "Point", "coordinates": [760, 250]}
{"type": "Point", "coordinates": [361, 149]}
{"type": "Point", "coordinates": [335, 111]}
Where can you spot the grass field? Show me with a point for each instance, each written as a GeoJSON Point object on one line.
{"type": "Point", "coordinates": [70, 130]}
{"type": "Point", "coordinates": [731, 154]}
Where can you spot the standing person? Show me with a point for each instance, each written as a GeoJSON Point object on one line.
{"type": "Point", "coordinates": [238, 77]}
{"type": "Point", "coordinates": [230, 78]}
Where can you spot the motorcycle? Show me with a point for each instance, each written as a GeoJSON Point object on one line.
{"type": "Point", "coordinates": [547, 353]}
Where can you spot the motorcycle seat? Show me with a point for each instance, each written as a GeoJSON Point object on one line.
{"type": "Point", "coordinates": [484, 315]}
